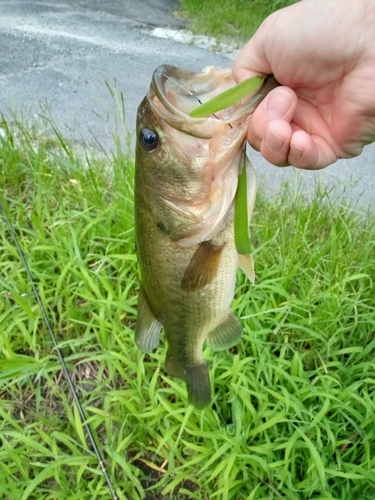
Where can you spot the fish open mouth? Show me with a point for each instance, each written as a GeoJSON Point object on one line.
{"type": "Point", "coordinates": [180, 91]}
{"type": "Point", "coordinates": [205, 154]}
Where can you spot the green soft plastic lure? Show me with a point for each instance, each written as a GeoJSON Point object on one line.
{"type": "Point", "coordinates": [241, 217]}
{"type": "Point", "coordinates": [227, 98]}
{"type": "Point", "coordinates": [219, 102]}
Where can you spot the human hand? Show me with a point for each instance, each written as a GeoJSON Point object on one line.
{"type": "Point", "coordinates": [323, 54]}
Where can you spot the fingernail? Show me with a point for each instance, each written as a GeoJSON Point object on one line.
{"type": "Point", "coordinates": [295, 150]}
{"type": "Point", "coordinates": [273, 140]}
{"type": "Point", "coordinates": [278, 104]}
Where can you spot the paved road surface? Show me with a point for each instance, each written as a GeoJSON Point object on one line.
{"type": "Point", "coordinates": [55, 57]}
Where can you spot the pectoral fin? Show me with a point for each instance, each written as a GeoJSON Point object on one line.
{"type": "Point", "coordinates": [203, 267]}
{"type": "Point", "coordinates": [225, 335]}
{"type": "Point", "coordinates": [246, 263]}
{"type": "Point", "coordinates": [147, 329]}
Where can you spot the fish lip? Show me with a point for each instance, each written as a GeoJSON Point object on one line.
{"type": "Point", "coordinates": [166, 72]}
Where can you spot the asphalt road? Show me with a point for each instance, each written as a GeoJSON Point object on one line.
{"type": "Point", "coordinates": [56, 57]}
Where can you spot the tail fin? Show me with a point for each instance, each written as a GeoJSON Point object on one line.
{"type": "Point", "coordinates": [196, 377]}
{"type": "Point", "coordinates": [198, 382]}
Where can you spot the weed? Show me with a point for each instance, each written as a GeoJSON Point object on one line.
{"type": "Point", "coordinates": [234, 20]}
{"type": "Point", "coordinates": [293, 409]}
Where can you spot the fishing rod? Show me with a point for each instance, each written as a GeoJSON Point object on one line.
{"type": "Point", "coordinates": [59, 355]}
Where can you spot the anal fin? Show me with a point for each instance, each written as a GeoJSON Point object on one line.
{"type": "Point", "coordinates": [227, 334]}
{"type": "Point", "coordinates": [203, 267]}
{"type": "Point", "coordinates": [147, 329]}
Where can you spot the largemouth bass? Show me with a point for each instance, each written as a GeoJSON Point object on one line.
{"type": "Point", "coordinates": [185, 184]}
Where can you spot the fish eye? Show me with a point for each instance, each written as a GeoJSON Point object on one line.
{"type": "Point", "coordinates": [148, 139]}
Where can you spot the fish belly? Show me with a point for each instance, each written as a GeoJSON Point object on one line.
{"type": "Point", "coordinates": [188, 316]}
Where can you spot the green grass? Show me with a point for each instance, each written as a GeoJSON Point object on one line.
{"type": "Point", "coordinates": [294, 405]}
{"type": "Point", "coordinates": [236, 20]}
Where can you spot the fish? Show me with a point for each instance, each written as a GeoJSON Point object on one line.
{"type": "Point", "coordinates": [186, 176]}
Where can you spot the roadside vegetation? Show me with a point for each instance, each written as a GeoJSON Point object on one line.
{"type": "Point", "coordinates": [233, 20]}
{"type": "Point", "coordinates": [294, 404]}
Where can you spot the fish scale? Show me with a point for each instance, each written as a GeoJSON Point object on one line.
{"type": "Point", "coordinates": [185, 183]}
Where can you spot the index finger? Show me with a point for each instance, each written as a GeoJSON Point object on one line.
{"type": "Point", "coordinates": [252, 60]}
